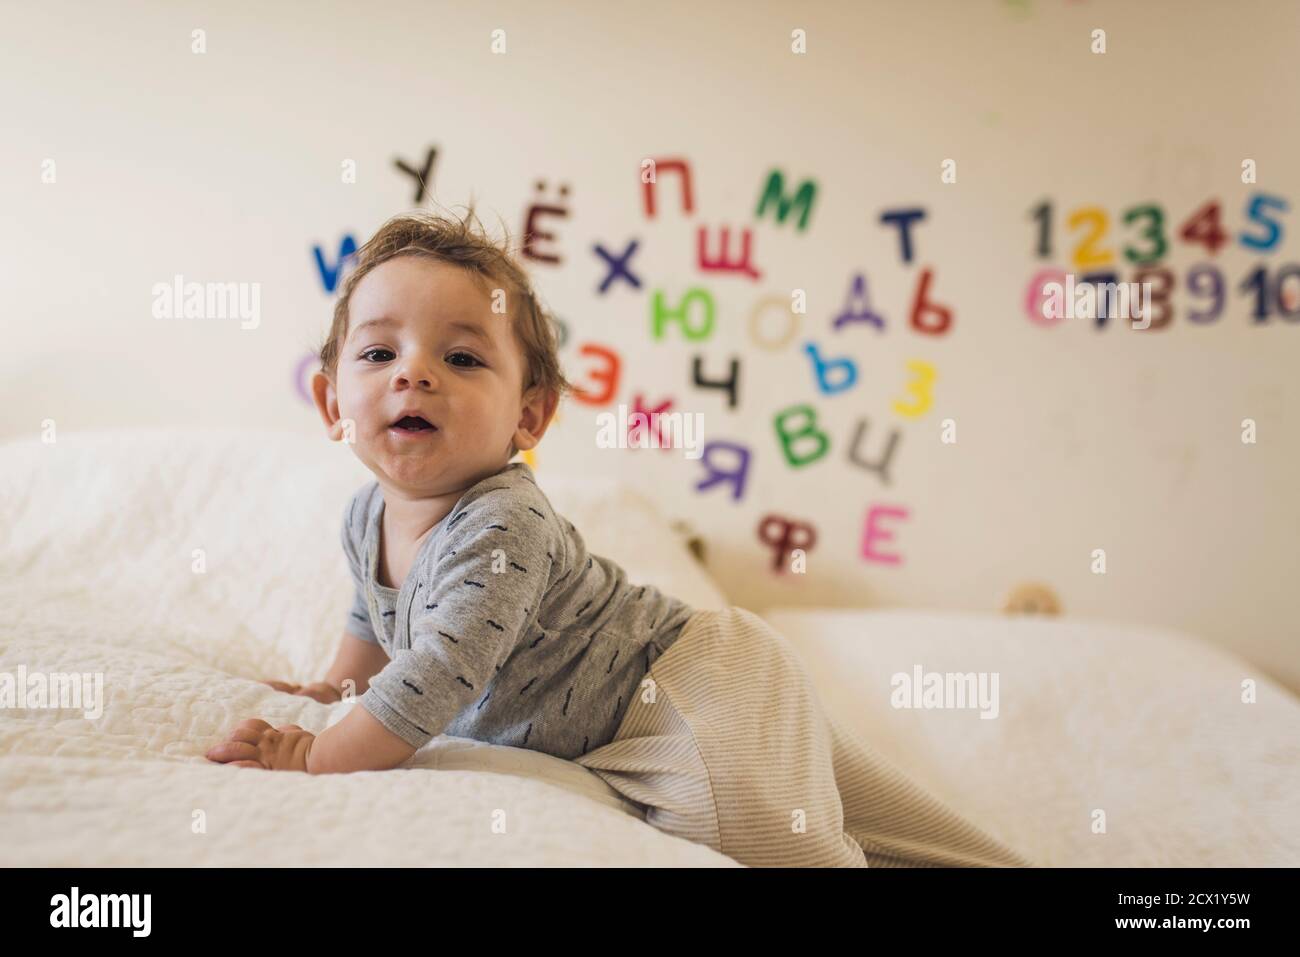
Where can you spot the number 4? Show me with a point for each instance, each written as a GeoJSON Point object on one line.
{"type": "Point", "coordinates": [1204, 227]}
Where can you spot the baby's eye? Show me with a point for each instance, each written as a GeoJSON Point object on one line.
{"type": "Point", "coordinates": [370, 352]}
{"type": "Point", "coordinates": [467, 356]}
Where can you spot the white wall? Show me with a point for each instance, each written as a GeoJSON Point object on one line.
{"type": "Point", "coordinates": [225, 166]}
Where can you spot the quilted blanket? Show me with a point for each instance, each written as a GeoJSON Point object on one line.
{"type": "Point", "coordinates": [179, 568]}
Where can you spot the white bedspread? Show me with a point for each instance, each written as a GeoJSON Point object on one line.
{"type": "Point", "coordinates": [98, 534]}
{"type": "Point", "coordinates": [1145, 724]}
{"type": "Point", "coordinates": [98, 540]}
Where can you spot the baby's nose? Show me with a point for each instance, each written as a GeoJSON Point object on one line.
{"type": "Point", "coordinates": [416, 374]}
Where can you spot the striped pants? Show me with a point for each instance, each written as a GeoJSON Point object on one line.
{"type": "Point", "coordinates": [728, 745]}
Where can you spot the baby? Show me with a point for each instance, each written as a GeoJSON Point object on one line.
{"type": "Point", "coordinates": [479, 612]}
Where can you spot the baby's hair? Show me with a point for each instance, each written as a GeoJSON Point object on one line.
{"type": "Point", "coordinates": [460, 241]}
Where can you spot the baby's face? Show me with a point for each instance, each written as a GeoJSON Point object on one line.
{"type": "Point", "coordinates": [423, 340]}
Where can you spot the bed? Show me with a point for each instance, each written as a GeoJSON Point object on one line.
{"type": "Point", "coordinates": [174, 563]}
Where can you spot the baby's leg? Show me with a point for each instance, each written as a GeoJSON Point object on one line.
{"type": "Point", "coordinates": [736, 752]}
{"type": "Point", "coordinates": [733, 787]}
{"type": "Point", "coordinates": [655, 762]}
{"type": "Point", "coordinates": [900, 824]}
{"type": "Point", "coordinates": [733, 750]}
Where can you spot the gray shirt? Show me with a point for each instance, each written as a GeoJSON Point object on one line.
{"type": "Point", "coordinates": [507, 629]}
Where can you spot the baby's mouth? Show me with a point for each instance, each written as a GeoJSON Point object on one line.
{"type": "Point", "coordinates": [414, 423]}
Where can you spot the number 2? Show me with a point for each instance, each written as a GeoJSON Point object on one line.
{"type": "Point", "coordinates": [1085, 255]}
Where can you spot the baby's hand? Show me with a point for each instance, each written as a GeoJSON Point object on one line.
{"type": "Point", "coordinates": [317, 691]}
{"type": "Point", "coordinates": [255, 744]}
{"type": "Point", "coordinates": [286, 686]}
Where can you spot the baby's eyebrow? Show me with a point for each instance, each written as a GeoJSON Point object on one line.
{"type": "Point", "coordinates": [464, 325]}
{"type": "Point", "coordinates": [473, 329]}
{"type": "Point", "coordinates": [381, 321]}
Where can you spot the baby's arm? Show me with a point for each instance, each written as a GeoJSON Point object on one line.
{"type": "Point", "coordinates": [357, 743]}
{"type": "Point", "coordinates": [356, 659]}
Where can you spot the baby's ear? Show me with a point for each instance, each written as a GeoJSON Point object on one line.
{"type": "Point", "coordinates": [536, 416]}
{"type": "Point", "coordinates": [327, 404]}
{"type": "Point", "coordinates": [551, 402]}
